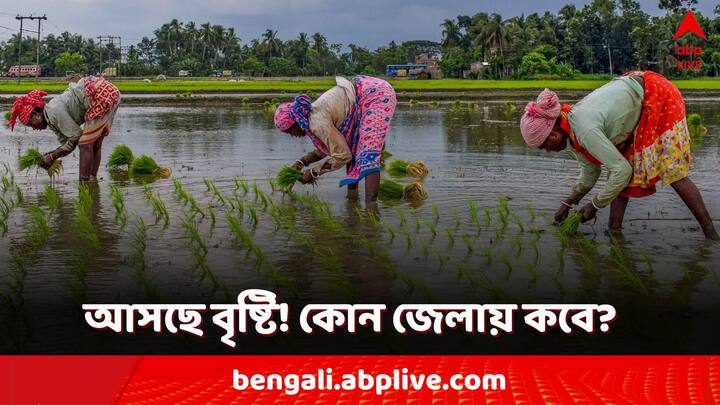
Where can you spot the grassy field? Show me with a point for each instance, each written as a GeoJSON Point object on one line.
{"type": "Point", "coordinates": [318, 85]}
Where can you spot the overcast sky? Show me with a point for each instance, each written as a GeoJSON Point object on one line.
{"type": "Point", "coordinates": [376, 23]}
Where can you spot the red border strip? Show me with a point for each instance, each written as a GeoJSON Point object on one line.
{"type": "Point", "coordinates": [208, 379]}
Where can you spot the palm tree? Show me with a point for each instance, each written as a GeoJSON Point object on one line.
{"type": "Point", "coordinates": [451, 34]}
{"type": "Point", "coordinates": [272, 44]}
{"type": "Point", "coordinates": [495, 36]}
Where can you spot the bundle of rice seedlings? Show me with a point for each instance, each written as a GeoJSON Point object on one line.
{"type": "Point", "coordinates": [392, 190]}
{"type": "Point", "coordinates": [401, 167]}
{"type": "Point", "coordinates": [147, 165]}
{"type": "Point", "coordinates": [287, 176]}
{"type": "Point", "coordinates": [31, 158]}
{"type": "Point", "coordinates": [418, 169]}
{"type": "Point", "coordinates": [415, 192]}
{"type": "Point", "coordinates": [121, 155]}
{"type": "Point", "coordinates": [7, 117]}
{"type": "Point", "coordinates": [695, 125]}
{"type": "Point", "coordinates": [571, 224]}
{"type": "Point", "coordinates": [384, 156]}
{"type": "Point", "coordinates": [509, 107]}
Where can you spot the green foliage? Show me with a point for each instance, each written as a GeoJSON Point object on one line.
{"type": "Point", "coordinates": [70, 61]}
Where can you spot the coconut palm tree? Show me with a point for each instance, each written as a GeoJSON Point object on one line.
{"type": "Point", "coordinates": [451, 34]}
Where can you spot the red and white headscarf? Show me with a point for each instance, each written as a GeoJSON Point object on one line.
{"type": "Point", "coordinates": [25, 105]}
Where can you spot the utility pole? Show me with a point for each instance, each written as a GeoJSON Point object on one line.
{"type": "Point", "coordinates": [37, 48]}
{"type": "Point", "coordinates": [110, 40]}
{"type": "Point", "coordinates": [609, 58]}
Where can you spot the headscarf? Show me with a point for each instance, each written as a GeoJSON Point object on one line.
{"type": "Point", "coordinates": [24, 106]}
{"type": "Point", "coordinates": [295, 112]}
{"type": "Point", "coordinates": [539, 118]}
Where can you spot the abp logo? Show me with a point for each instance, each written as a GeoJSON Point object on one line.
{"type": "Point", "coordinates": [689, 24]}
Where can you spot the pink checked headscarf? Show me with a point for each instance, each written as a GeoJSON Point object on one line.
{"type": "Point", "coordinates": [539, 118]}
{"type": "Point", "coordinates": [25, 105]}
{"type": "Point", "coordinates": [283, 117]}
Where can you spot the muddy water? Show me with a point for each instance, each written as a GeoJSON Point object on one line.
{"type": "Point", "coordinates": [436, 251]}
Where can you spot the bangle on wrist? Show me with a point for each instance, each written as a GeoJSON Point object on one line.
{"type": "Point", "coordinates": [565, 203]}
{"type": "Point", "coordinates": [593, 204]}
{"type": "Point", "coordinates": [312, 173]}
{"type": "Point", "coordinates": [301, 162]}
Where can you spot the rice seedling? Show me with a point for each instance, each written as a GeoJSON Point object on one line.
{"type": "Point", "coordinates": [555, 278]}
{"type": "Point", "coordinates": [145, 165]}
{"type": "Point", "coordinates": [212, 188]}
{"type": "Point", "coordinates": [417, 224]}
{"type": "Point", "coordinates": [695, 125]}
{"type": "Point", "coordinates": [471, 105]}
{"type": "Point", "coordinates": [83, 222]}
{"type": "Point", "coordinates": [587, 265]}
{"type": "Point", "coordinates": [503, 211]}
{"type": "Point", "coordinates": [402, 168]}
{"type": "Point", "coordinates": [158, 206]}
{"type": "Point", "coordinates": [252, 214]}
{"type": "Point", "coordinates": [441, 258]}
{"type": "Point", "coordinates": [647, 259]}
{"type": "Point", "coordinates": [468, 242]}
{"type": "Point", "coordinates": [456, 105]}
{"type": "Point", "coordinates": [473, 208]}
{"type": "Point", "coordinates": [570, 225]}
{"type": "Point", "coordinates": [391, 231]}
{"type": "Point", "coordinates": [187, 199]}
{"type": "Point", "coordinates": [509, 108]}
{"type": "Point", "coordinates": [531, 271]}
{"type": "Point", "coordinates": [432, 228]}
{"type": "Point", "coordinates": [487, 252]}
{"type": "Point", "coordinates": [51, 197]}
{"type": "Point", "coordinates": [241, 184]}
{"type": "Point", "coordinates": [450, 237]}
{"type": "Point", "coordinates": [245, 101]}
{"type": "Point", "coordinates": [486, 214]}
{"type": "Point", "coordinates": [531, 211]}
{"type": "Point", "coordinates": [118, 202]}
{"type": "Point", "coordinates": [463, 272]}
{"type": "Point", "coordinates": [199, 249]}
{"type": "Point", "coordinates": [287, 177]}
{"type": "Point", "coordinates": [406, 234]}
{"type": "Point", "coordinates": [413, 102]}
{"type": "Point", "coordinates": [456, 217]}
{"type": "Point", "coordinates": [518, 222]}
{"type": "Point", "coordinates": [5, 209]}
{"type": "Point", "coordinates": [434, 104]}
{"type": "Point", "coordinates": [19, 196]}
{"type": "Point", "coordinates": [242, 238]}
{"type": "Point", "coordinates": [425, 247]}
{"type": "Point", "coordinates": [436, 213]}
{"type": "Point", "coordinates": [211, 213]}
{"type": "Point", "coordinates": [121, 156]}
{"type": "Point", "coordinates": [505, 259]}
{"type": "Point", "coordinates": [517, 242]}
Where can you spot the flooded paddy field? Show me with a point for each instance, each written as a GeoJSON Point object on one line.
{"type": "Point", "coordinates": [216, 227]}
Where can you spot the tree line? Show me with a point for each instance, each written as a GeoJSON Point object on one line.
{"type": "Point", "coordinates": [600, 37]}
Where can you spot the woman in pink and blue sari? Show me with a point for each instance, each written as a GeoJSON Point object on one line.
{"type": "Point", "coordinates": [347, 124]}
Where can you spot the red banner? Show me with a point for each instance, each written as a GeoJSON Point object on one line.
{"type": "Point", "coordinates": [359, 379]}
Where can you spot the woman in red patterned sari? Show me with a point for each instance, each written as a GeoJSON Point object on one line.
{"type": "Point", "coordinates": [82, 115]}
